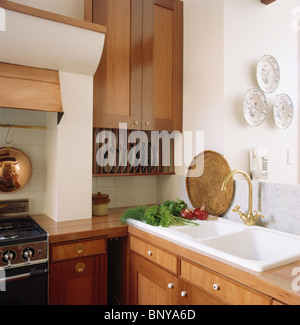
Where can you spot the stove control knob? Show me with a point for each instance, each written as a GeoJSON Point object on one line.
{"type": "Point", "coordinates": [8, 257]}
{"type": "Point", "coordinates": [28, 254]}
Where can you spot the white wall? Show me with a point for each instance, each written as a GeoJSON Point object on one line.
{"type": "Point", "coordinates": [223, 42]}
{"type": "Point", "coordinates": [252, 30]}
{"type": "Point", "coordinates": [69, 152]}
{"type": "Point", "coordinates": [203, 70]}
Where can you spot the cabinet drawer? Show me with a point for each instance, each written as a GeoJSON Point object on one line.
{"type": "Point", "coordinates": [222, 287]}
{"type": "Point", "coordinates": [155, 254]}
{"type": "Point", "coordinates": [76, 249]}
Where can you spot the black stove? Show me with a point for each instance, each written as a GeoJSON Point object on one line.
{"type": "Point", "coordinates": [23, 256]}
{"type": "Point", "coordinates": [22, 240]}
{"type": "Point", "coordinates": [17, 230]}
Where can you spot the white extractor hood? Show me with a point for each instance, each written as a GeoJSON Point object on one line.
{"type": "Point", "coordinates": [41, 39]}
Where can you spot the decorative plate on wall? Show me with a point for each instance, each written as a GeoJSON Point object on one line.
{"type": "Point", "coordinates": [283, 111]}
{"type": "Point", "coordinates": [268, 73]}
{"type": "Point", "coordinates": [255, 107]}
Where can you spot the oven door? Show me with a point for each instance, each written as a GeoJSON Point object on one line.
{"type": "Point", "coordinates": [25, 285]}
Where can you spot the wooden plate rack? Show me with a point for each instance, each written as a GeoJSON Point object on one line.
{"type": "Point", "coordinates": [144, 168]}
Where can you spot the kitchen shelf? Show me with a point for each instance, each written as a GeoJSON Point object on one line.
{"type": "Point", "coordinates": [142, 155]}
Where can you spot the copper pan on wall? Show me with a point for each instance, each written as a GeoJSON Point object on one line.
{"type": "Point", "coordinates": [15, 169]}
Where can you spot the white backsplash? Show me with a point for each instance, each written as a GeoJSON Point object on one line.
{"type": "Point", "coordinates": [279, 204]}
{"type": "Point", "coordinates": [127, 191]}
{"type": "Point", "coordinates": [32, 142]}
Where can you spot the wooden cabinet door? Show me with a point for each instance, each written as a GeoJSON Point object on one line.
{"type": "Point", "coordinates": [79, 281]}
{"type": "Point", "coordinates": [139, 80]}
{"type": "Point", "coordinates": [162, 65]}
{"type": "Point", "coordinates": [117, 81]}
{"type": "Point", "coordinates": [150, 284]}
{"type": "Point", "coordinates": [190, 295]}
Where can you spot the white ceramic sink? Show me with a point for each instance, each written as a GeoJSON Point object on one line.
{"type": "Point", "coordinates": [204, 230]}
{"type": "Point", "coordinates": [256, 248]}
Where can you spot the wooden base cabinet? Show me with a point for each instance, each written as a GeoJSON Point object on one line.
{"type": "Point", "coordinates": [150, 284]}
{"type": "Point", "coordinates": [78, 273]}
{"type": "Point", "coordinates": [160, 277]}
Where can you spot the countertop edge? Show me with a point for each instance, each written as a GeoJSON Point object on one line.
{"type": "Point", "coordinates": [98, 226]}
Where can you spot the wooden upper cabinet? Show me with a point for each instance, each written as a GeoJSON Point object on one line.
{"type": "Point", "coordinates": [139, 78]}
{"type": "Point", "coordinates": [112, 81]}
{"type": "Point", "coordinates": [162, 65]}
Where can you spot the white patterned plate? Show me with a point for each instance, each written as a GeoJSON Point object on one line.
{"type": "Point", "coordinates": [268, 73]}
{"type": "Point", "coordinates": [255, 107]}
{"type": "Point", "coordinates": [283, 111]}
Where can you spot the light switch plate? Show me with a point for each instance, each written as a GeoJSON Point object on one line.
{"type": "Point", "coordinates": [290, 156]}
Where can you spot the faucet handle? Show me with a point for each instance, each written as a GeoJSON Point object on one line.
{"type": "Point", "coordinates": [258, 214]}
{"type": "Point", "coordinates": [236, 209]}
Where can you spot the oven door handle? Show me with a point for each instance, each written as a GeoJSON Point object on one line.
{"type": "Point", "coordinates": [24, 275]}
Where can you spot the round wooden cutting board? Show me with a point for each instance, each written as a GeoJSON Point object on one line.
{"type": "Point", "coordinates": [204, 179]}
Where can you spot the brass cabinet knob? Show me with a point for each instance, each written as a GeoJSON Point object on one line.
{"type": "Point", "coordinates": [79, 267]}
{"type": "Point", "coordinates": [147, 123]}
{"type": "Point", "coordinates": [79, 249]}
{"type": "Point", "coordinates": [136, 122]}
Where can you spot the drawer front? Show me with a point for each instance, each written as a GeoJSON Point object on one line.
{"type": "Point", "coordinates": [155, 254]}
{"type": "Point", "coordinates": [223, 288]}
{"type": "Point", "coordinates": [76, 249]}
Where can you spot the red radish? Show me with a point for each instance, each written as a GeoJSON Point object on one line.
{"type": "Point", "coordinates": [187, 214]}
{"type": "Point", "coordinates": [200, 214]}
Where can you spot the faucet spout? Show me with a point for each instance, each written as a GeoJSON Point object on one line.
{"type": "Point", "coordinates": [249, 219]}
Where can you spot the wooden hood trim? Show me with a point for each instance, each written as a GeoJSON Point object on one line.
{"type": "Point", "coordinates": [29, 88]}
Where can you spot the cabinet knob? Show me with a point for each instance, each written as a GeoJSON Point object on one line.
{"type": "Point", "coordinates": [136, 122]}
{"type": "Point", "coordinates": [183, 293]}
{"type": "Point", "coordinates": [79, 267]}
{"type": "Point", "coordinates": [170, 285]}
{"type": "Point", "coordinates": [147, 123]}
{"type": "Point", "coordinates": [149, 253]}
{"type": "Point", "coordinates": [216, 286]}
{"type": "Point", "coordinates": [79, 249]}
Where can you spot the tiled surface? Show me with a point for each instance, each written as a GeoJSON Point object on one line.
{"type": "Point", "coordinates": [32, 142]}
{"type": "Point", "coordinates": [128, 190]}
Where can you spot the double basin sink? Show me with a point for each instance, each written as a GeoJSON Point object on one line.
{"type": "Point", "coordinates": [256, 248]}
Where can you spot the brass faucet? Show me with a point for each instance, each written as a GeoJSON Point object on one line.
{"type": "Point", "coordinates": [249, 218]}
